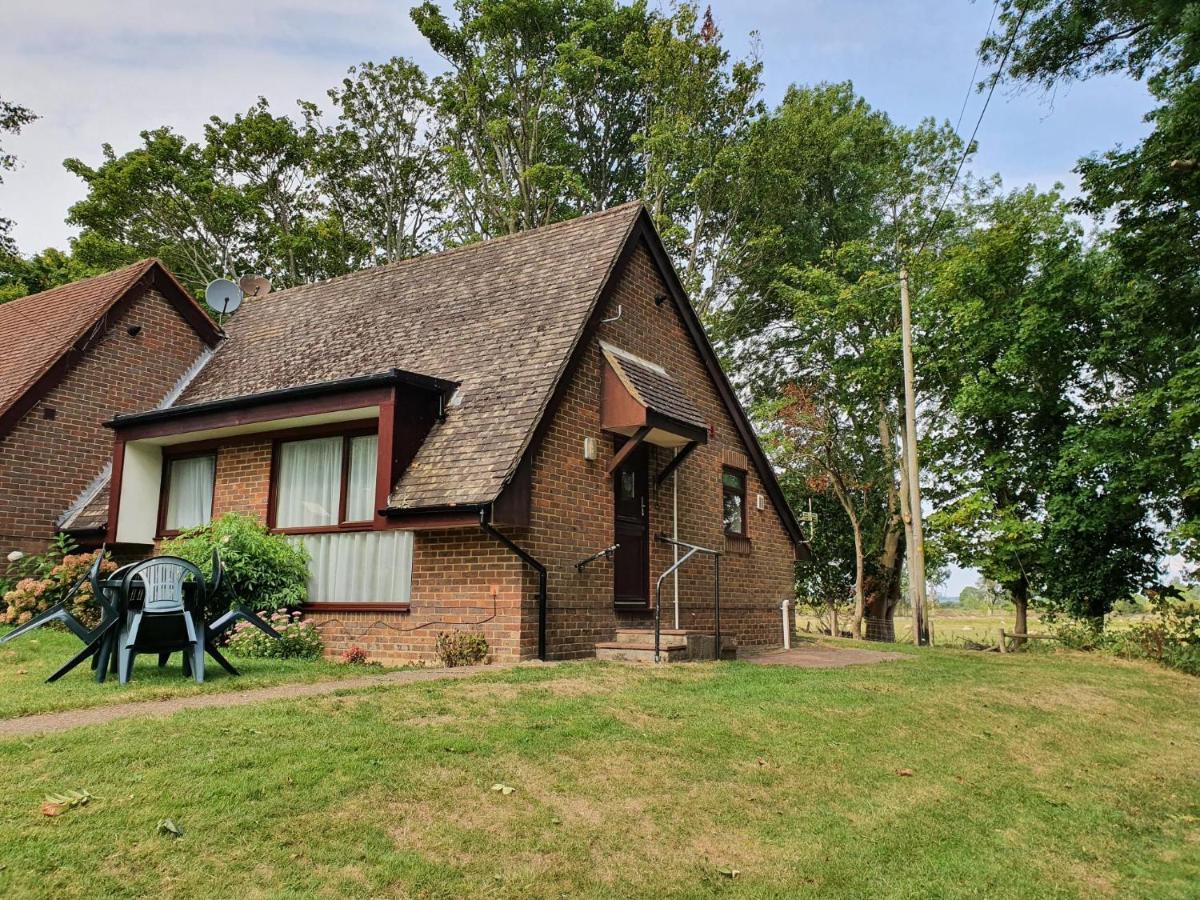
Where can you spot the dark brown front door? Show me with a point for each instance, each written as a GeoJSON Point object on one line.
{"type": "Point", "coordinates": [631, 565]}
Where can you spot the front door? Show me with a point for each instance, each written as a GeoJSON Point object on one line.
{"type": "Point", "coordinates": [631, 564]}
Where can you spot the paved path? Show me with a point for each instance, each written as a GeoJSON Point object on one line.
{"type": "Point", "coordinates": [820, 656]}
{"type": "Point", "coordinates": [99, 715]}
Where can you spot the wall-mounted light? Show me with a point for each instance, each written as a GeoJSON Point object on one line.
{"type": "Point", "coordinates": [591, 449]}
{"type": "Point", "coordinates": [134, 330]}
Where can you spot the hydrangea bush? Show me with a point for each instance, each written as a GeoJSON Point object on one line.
{"type": "Point", "coordinates": [34, 595]}
{"type": "Point", "coordinates": [297, 639]}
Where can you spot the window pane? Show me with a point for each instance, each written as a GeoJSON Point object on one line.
{"type": "Point", "coordinates": [733, 513]}
{"type": "Point", "coordinates": [310, 483]}
{"type": "Point", "coordinates": [732, 480]}
{"type": "Point", "coordinates": [190, 492]}
{"type": "Point", "coordinates": [359, 567]}
{"type": "Point", "coordinates": [360, 489]}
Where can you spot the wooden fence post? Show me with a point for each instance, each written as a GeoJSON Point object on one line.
{"type": "Point", "coordinates": [1002, 650]}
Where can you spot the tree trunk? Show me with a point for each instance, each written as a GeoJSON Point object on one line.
{"type": "Point", "coordinates": [883, 593]}
{"type": "Point", "coordinates": [1020, 594]}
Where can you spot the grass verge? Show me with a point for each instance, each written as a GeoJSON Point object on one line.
{"type": "Point", "coordinates": [1048, 775]}
{"type": "Point", "coordinates": [27, 662]}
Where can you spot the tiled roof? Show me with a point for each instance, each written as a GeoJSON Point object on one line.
{"type": "Point", "coordinates": [94, 513]}
{"type": "Point", "coordinates": [499, 317]}
{"type": "Point", "coordinates": [653, 387]}
{"type": "Point", "coordinates": [40, 328]}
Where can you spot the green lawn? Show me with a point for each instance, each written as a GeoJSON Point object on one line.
{"type": "Point", "coordinates": [1032, 775]}
{"type": "Point", "coordinates": [27, 662]}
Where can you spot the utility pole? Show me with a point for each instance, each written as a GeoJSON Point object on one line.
{"type": "Point", "coordinates": [916, 575]}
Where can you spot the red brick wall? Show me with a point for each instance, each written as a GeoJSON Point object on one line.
{"type": "Point", "coordinates": [45, 463]}
{"type": "Point", "coordinates": [573, 498]}
{"type": "Point", "coordinates": [243, 479]}
{"type": "Point", "coordinates": [462, 580]}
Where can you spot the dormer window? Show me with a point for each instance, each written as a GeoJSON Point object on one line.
{"type": "Point", "coordinates": [325, 482]}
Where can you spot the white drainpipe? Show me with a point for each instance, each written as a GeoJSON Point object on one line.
{"type": "Point", "coordinates": [675, 534]}
{"type": "Point", "coordinates": [787, 630]}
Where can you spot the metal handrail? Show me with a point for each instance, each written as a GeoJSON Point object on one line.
{"type": "Point", "coordinates": [692, 550]}
{"type": "Point", "coordinates": [607, 553]}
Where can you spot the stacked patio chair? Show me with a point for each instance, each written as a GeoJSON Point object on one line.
{"type": "Point", "coordinates": [161, 615]}
{"type": "Point", "coordinates": [153, 606]}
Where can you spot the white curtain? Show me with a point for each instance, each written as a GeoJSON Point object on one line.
{"type": "Point", "coordinates": [360, 489]}
{"type": "Point", "coordinates": [359, 567]}
{"type": "Point", "coordinates": [190, 493]}
{"type": "Point", "coordinates": [310, 483]}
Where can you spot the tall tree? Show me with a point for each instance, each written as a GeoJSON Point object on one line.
{"type": "Point", "coordinates": [377, 163]}
{"type": "Point", "coordinates": [13, 118]}
{"type": "Point", "coordinates": [840, 195]}
{"type": "Point", "coordinates": [521, 99]}
{"type": "Point", "coordinates": [699, 105]}
{"type": "Point", "coordinates": [1147, 385]}
{"type": "Point", "coordinates": [1010, 309]}
{"type": "Point", "coordinates": [162, 199]}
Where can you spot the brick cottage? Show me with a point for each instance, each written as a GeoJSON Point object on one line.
{"type": "Point", "coordinates": [70, 358]}
{"type": "Point", "coordinates": [451, 437]}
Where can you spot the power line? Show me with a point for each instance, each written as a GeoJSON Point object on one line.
{"type": "Point", "coordinates": [975, 71]}
{"type": "Point", "coordinates": [979, 121]}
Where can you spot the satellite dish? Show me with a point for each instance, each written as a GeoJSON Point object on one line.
{"type": "Point", "coordinates": [223, 296]}
{"type": "Point", "coordinates": [254, 285]}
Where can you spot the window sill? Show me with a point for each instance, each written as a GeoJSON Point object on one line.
{"type": "Point", "coordinates": [325, 529]}
{"type": "Point", "coordinates": [366, 606]}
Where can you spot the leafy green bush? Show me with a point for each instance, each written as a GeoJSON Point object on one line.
{"type": "Point", "coordinates": [1170, 637]}
{"type": "Point", "coordinates": [263, 571]}
{"type": "Point", "coordinates": [45, 579]}
{"type": "Point", "coordinates": [1077, 634]}
{"type": "Point", "coordinates": [461, 648]}
{"type": "Point", "coordinates": [297, 639]}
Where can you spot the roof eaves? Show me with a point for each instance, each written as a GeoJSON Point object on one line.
{"type": "Point", "coordinates": [243, 401]}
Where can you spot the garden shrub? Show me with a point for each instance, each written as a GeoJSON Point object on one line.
{"type": "Point", "coordinates": [461, 648]}
{"type": "Point", "coordinates": [263, 571]}
{"type": "Point", "coordinates": [1078, 634]}
{"type": "Point", "coordinates": [357, 656]}
{"type": "Point", "coordinates": [46, 579]}
{"type": "Point", "coordinates": [1171, 636]}
{"type": "Point", "coordinates": [297, 639]}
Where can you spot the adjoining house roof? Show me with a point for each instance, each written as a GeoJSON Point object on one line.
{"type": "Point", "coordinates": [652, 386]}
{"type": "Point", "coordinates": [499, 317]}
{"type": "Point", "coordinates": [41, 331]}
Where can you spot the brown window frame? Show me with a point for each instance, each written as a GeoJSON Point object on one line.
{"type": "Point", "coordinates": [727, 491]}
{"type": "Point", "coordinates": [316, 433]}
{"type": "Point", "coordinates": [169, 459]}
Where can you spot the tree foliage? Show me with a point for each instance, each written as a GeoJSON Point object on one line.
{"type": "Point", "coordinates": [13, 117]}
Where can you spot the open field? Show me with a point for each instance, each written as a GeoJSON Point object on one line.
{"type": "Point", "coordinates": [27, 662]}
{"type": "Point", "coordinates": [952, 627]}
{"type": "Point", "coordinates": [948, 774]}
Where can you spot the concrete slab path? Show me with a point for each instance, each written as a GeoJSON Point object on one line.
{"type": "Point", "coordinates": [819, 656]}
{"type": "Point", "coordinates": [43, 723]}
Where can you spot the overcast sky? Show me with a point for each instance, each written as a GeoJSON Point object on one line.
{"type": "Point", "coordinates": [101, 72]}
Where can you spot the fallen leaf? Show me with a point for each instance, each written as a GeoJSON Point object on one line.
{"type": "Point", "coordinates": [905, 773]}
{"type": "Point", "coordinates": [168, 826]}
{"type": "Point", "coordinates": [729, 871]}
{"type": "Point", "coordinates": [57, 804]}
{"type": "Point", "coordinates": [502, 788]}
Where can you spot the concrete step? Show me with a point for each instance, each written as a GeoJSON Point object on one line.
{"type": "Point", "coordinates": [644, 635]}
{"type": "Point", "coordinates": [626, 652]}
{"type": "Point", "coordinates": [700, 644]}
